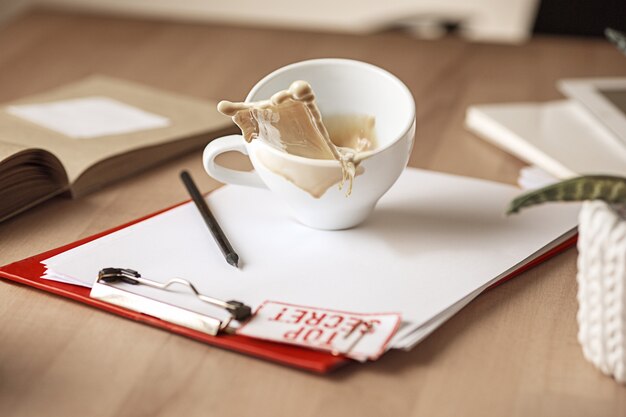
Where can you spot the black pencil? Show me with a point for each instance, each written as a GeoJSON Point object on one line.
{"type": "Point", "coordinates": [217, 232]}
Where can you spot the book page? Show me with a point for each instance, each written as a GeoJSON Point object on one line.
{"type": "Point", "coordinates": [187, 117]}
{"type": "Point", "coordinates": [9, 149]}
{"type": "Point", "coordinates": [27, 177]}
{"type": "Point", "coordinates": [89, 117]}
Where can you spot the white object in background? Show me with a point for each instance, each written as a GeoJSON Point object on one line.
{"type": "Point", "coordinates": [88, 117]}
{"type": "Point", "coordinates": [532, 177]}
{"type": "Point", "coordinates": [605, 98]}
{"type": "Point", "coordinates": [561, 137]}
{"type": "Point", "coordinates": [341, 86]}
{"type": "Point", "coordinates": [602, 288]}
{"type": "Point", "coordinates": [482, 20]}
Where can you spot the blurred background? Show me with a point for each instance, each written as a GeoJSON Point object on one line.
{"type": "Point", "coordinates": [452, 54]}
{"type": "Point", "coordinates": [503, 21]}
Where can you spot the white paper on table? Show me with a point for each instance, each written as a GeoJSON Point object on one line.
{"type": "Point", "coordinates": [561, 137]}
{"type": "Point", "coordinates": [533, 177]}
{"type": "Point", "coordinates": [89, 117]}
{"type": "Point", "coordinates": [433, 240]}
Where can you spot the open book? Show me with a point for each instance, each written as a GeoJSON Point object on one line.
{"type": "Point", "coordinates": [84, 135]}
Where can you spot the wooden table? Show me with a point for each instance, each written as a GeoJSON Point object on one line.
{"type": "Point", "coordinates": [512, 352]}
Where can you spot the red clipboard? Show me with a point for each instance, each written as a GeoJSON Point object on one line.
{"type": "Point", "coordinates": [28, 272]}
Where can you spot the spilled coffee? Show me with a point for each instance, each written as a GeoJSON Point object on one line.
{"type": "Point", "coordinates": [291, 122]}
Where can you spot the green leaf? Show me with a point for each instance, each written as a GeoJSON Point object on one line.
{"type": "Point", "coordinates": [591, 187]}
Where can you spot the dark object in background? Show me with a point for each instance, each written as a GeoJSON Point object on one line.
{"type": "Point", "coordinates": [580, 17]}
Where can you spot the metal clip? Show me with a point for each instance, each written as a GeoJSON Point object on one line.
{"type": "Point", "coordinates": [237, 309]}
{"type": "Point", "coordinates": [103, 290]}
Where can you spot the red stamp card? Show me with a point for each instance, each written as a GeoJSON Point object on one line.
{"type": "Point", "coordinates": [355, 335]}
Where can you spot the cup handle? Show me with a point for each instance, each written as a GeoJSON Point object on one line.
{"type": "Point", "coordinates": [226, 175]}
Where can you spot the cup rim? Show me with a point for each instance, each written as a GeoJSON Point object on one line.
{"type": "Point", "coordinates": [344, 61]}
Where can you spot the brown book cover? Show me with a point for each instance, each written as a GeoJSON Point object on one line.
{"type": "Point", "coordinates": [38, 162]}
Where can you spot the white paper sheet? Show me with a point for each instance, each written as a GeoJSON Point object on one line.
{"type": "Point", "coordinates": [434, 240]}
{"type": "Point", "coordinates": [409, 341]}
{"type": "Point", "coordinates": [533, 177]}
{"type": "Point", "coordinates": [89, 117]}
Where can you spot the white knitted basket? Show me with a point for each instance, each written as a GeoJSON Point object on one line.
{"type": "Point", "coordinates": [601, 288]}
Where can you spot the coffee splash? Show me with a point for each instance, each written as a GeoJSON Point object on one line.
{"type": "Point", "coordinates": [291, 122]}
{"type": "Point", "coordinates": [352, 131]}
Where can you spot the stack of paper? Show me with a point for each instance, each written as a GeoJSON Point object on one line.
{"type": "Point", "coordinates": [434, 242]}
{"type": "Point", "coordinates": [561, 137]}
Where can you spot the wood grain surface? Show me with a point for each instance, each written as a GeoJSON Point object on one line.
{"type": "Point", "coordinates": [512, 352]}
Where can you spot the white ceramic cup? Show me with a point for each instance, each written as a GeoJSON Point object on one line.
{"type": "Point", "coordinates": [341, 86]}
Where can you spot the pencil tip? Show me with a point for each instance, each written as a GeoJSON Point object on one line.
{"type": "Point", "coordinates": [233, 259]}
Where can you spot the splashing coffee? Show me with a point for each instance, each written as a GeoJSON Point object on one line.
{"type": "Point", "coordinates": [291, 122]}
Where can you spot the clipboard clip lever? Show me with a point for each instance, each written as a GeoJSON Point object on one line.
{"type": "Point", "coordinates": [238, 310]}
